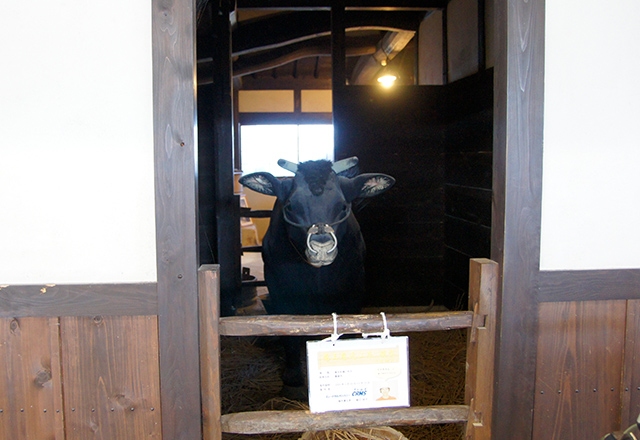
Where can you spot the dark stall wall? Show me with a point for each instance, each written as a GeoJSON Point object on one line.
{"type": "Point", "coordinates": [468, 162]}
{"type": "Point", "coordinates": [398, 132]}
{"type": "Point", "coordinates": [411, 133]}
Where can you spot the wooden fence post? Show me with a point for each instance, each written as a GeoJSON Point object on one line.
{"type": "Point", "coordinates": [209, 317]}
{"type": "Point", "coordinates": [483, 289]}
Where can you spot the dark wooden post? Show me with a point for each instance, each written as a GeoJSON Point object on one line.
{"type": "Point", "coordinates": [338, 62]}
{"type": "Point", "coordinates": [227, 205]}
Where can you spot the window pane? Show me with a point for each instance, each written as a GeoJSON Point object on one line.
{"type": "Point", "coordinates": [316, 142]}
{"type": "Point", "coordinates": [262, 145]}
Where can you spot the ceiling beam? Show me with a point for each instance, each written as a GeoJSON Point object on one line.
{"type": "Point", "coordinates": [288, 28]}
{"type": "Point", "coordinates": [279, 57]}
{"type": "Point", "coordinates": [369, 66]}
{"type": "Point", "coordinates": [248, 64]}
{"type": "Point", "coordinates": [372, 5]}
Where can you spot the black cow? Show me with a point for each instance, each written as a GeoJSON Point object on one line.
{"type": "Point", "coordinates": [313, 251]}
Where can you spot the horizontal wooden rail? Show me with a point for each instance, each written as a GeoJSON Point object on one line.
{"type": "Point", "coordinates": [269, 422]}
{"type": "Point", "coordinates": [282, 325]}
{"type": "Point", "coordinates": [247, 212]}
{"type": "Point", "coordinates": [251, 249]}
{"type": "Point", "coordinates": [481, 319]}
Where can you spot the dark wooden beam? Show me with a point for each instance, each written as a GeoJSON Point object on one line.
{"type": "Point", "coordinates": [269, 59]}
{"type": "Point", "coordinates": [391, 45]}
{"type": "Point", "coordinates": [338, 42]}
{"type": "Point", "coordinates": [382, 5]}
{"type": "Point", "coordinates": [292, 27]}
{"type": "Point", "coordinates": [227, 204]}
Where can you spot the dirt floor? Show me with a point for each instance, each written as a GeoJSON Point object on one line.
{"type": "Point", "coordinates": [251, 381]}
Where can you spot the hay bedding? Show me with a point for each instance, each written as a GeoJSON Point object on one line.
{"type": "Point", "coordinates": [250, 376]}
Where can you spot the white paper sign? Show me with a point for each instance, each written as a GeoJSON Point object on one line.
{"type": "Point", "coordinates": [358, 373]}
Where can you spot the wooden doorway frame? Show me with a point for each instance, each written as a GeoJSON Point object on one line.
{"type": "Point", "coordinates": [517, 189]}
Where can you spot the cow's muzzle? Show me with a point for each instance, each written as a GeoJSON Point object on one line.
{"type": "Point", "coordinates": [322, 245]}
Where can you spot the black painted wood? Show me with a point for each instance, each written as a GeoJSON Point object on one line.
{"type": "Point", "coordinates": [258, 35]}
{"type": "Point", "coordinates": [468, 170]}
{"type": "Point", "coordinates": [326, 4]}
{"type": "Point", "coordinates": [219, 207]}
{"type": "Point", "coordinates": [173, 31]}
{"type": "Point", "coordinates": [399, 132]}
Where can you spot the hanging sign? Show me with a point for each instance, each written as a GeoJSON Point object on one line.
{"type": "Point", "coordinates": [358, 373]}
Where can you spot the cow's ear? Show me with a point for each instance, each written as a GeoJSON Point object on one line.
{"type": "Point", "coordinates": [262, 182]}
{"type": "Point", "coordinates": [368, 185]}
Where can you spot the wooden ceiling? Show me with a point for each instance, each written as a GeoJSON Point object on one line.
{"type": "Point", "coordinates": [287, 41]}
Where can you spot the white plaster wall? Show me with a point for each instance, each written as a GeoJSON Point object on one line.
{"type": "Point", "coordinates": [76, 152]}
{"type": "Point", "coordinates": [591, 174]}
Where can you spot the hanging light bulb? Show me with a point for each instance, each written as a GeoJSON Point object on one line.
{"type": "Point", "coordinates": [387, 78]}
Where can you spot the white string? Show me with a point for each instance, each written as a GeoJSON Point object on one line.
{"type": "Point", "coordinates": [385, 332]}
{"type": "Point", "coordinates": [335, 335]}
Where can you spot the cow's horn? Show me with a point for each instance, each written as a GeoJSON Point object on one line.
{"type": "Point", "coordinates": [345, 164]}
{"type": "Point", "coordinates": [289, 166]}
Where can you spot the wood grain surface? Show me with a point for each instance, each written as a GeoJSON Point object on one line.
{"type": "Point", "coordinates": [111, 377]}
{"type": "Point", "coordinates": [585, 285]}
{"type": "Point", "coordinates": [579, 369]}
{"type": "Point", "coordinates": [173, 31]}
{"type": "Point", "coordinates": [209, 313]}
{"type": "Point", "coordinates": [631, 375]}
{"type": "Point", "coordinates": [480, 376]}
{"type": "Point", "coordinates": [348, 324]}
{"type": "Point", "coordinates": [30, 382]}
{"type": "Point", "coordinates": [301, 421]}
{"type": "Point", "coordinates": [517, 195]}
{"type": "Point", "coordinates": [78, 300]}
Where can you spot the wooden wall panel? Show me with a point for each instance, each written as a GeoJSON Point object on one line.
{"type": "Point", "coordinates": [30, 393]}
{"type": "Point", "coordinates": [468, 171]}
{"type": "Point", "coordinates": [579, 369]}
{"type": "Point", "coordinates": [111, 377]}
{"type": "Point", "coordinates": [398, 132]}
{"type": "Point", "coordinates": [631, 378]}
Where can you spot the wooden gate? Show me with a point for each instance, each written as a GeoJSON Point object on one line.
{"type": "Point", "coordinates": [476, 413]}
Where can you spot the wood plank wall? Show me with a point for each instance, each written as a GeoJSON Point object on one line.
{"type": "Point", "coordinates": [79, 378]}
{"type": "Point", "coordinates": [468, 164]}
{"type": "Point", "coordinates": [436, 141]}
{"type": "Point", "coordinates": [580, 381]}
{"type": "Point", "coordinates": [398, 132]}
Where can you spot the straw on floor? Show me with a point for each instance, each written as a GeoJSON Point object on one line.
{"type": "Point", "coordinates": [250, 376]}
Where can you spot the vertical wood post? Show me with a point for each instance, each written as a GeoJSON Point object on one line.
{"type": "Point", "coordinates": [338, 50]}
{"type": "Point", "coordinates": [174, 106]}
{"type": "Point", "coordinates": [338, 66]}
{"type": "Point", "coordinates": [209, 313]}
{"type": "Point", "coordinates": [483, 289]}
{"type": "Point", "coordinates": [227, 204]}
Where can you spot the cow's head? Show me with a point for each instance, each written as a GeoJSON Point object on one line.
{"type": "Point", "coordinates": [316, 203]}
